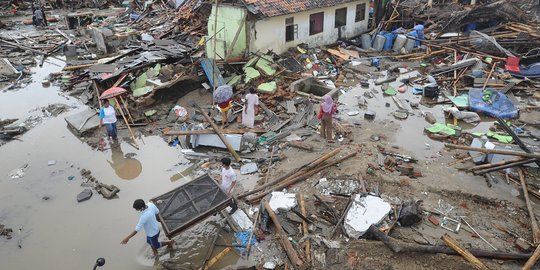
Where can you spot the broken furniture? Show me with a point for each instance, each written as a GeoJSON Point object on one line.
{"type": "Point", "coordinates": [189, 204]}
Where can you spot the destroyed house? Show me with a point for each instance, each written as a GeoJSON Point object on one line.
{"type": "Point", "coordinates": [261, 25]}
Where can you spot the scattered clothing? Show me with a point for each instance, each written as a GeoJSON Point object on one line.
{"type": "Point", "coordinates": [248, 115]}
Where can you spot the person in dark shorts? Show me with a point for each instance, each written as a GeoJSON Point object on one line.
{"type": "Point", "coordinates": [149, 222]}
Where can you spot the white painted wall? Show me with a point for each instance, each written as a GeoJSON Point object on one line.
{"type": "Point", "coordinates": [269, 33]}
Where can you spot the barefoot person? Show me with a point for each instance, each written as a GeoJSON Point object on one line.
{"type": "Point", "coordinates": [248, 115]}
{"type": "Point", "coordinates": [224, 109]}
{"type": "Point", "coordinates": [107, 117]}
{"type": "Point", "coordinates": [150, 224]}
{"type": "Point", "coordinates": [328, 109]}
{"type": "Point", "coordinates": [228, 180]}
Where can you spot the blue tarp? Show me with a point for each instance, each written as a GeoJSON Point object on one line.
{"type": "Point", "coordinates": [492, 103]}
{"type": "Point", "coordinates": [242, 238]}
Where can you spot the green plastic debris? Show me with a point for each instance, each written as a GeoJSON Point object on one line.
{"type": "Point", "coordinates": [461, 101]}
{"type": "Point", "coordinates": [442, 129]}
{"type": "Point", "coordinates": [250, 62]}
{"type": "Point", "coordinates": [264, 64]}
{"type": "Point", "coordinates": [150, 113]}
{"type": "Point", "coordinates": [139, 82]}
{"type": "Point", "coordinates": [234, 80]}
{"type": "Point", "coordinates": [390, 91]}
{"type": "Point", "coordinates": [153, 72]}
{"type": "Point", "coordinates": [267, 88]}
{"type": "Point", "coordinates": [423, 65]}
{"type": "Point", "coordinates": [251, 73]}
{"type": "Point", "coordinates": [498, 137]}
{"type": "Point", "coordinates": [139, 92]}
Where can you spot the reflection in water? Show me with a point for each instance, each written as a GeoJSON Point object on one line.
{"type": "Point", "coordinates": [125, 166]}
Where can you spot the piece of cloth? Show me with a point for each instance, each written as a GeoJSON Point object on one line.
{"type": "Point", "coordinates": [228, 177]}
{"type": "Point", "coordinates": [39, 14]}
{"type": "Point", "coordinates": [225, 106]}
{"type": "Point", "coordinates": [327, 104]}
{"type": "Point", "coordinates": [153, 241]}
{"type": "Point", "coordinates": [148, 220]}
{"type": "Point", "coordinates": [248, 115]}
{"type": "Point", "coordinates": [112, 131]}
{"type": "Point", "coordinates": [326, 126]}
{"type": "Point", "coordinates": [107, 115]}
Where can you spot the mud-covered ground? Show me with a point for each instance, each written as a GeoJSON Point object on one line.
{"type": "Point", "coordinates": [59, 233]}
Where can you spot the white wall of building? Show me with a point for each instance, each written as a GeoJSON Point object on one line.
{"type": "Point", "coordinates": [269, 33]}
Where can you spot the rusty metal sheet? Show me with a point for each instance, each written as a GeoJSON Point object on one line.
{"type": "Point", "coordinates": [189, 204]}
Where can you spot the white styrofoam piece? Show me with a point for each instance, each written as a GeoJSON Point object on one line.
{"type": "Point", "coordinates": [364, 212]}
{"type": "Point", "coordinates": [282, 201]}
{"type": "Point", "coordinates": [242, 220]}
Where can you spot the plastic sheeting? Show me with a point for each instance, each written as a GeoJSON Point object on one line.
{"type": "Point", "coordinates": [498, 104]}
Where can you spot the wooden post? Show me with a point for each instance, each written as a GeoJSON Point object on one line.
{"type": "Point", "coordinates": [349, 204]}
{"type": "Point", "coordinates": [489, 75]}
{"type": "Point", "coordinates": [216, 129]}
{"type": "Point", "coordinates": [493, 151]}
{"type": "Point", "coordinates": [217, 258]}
{"type": "Point", "coordinates": [449, 241]}
{"type": "Point", "coordinates": [231, 46]}
{"type": "Point", "coordinates": [282, 236]}
{"type": "Point", "coordinates": [532, 260]}
{"type": "Point", "coordinates": [305, 227]}
{"type": "Point", "coordinates": [534, 224]}
{"type": "Point", "coordinates": [126, 121]}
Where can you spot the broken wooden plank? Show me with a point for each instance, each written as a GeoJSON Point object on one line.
{"type": "Point", "coordinates": [283, 238]}
{"type": "Point", "coordinates": [451, 242]}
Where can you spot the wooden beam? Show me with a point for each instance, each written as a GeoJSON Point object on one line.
{"type": "Point", "coordinates": [534, 223]}
{"type": "Point", "coordinates": [451, 242]}
{"type": "Point", "coordinates": [282, 237]}
{"type": "Point", "coordinates": [169, 132]}
{"type": "Point", "coordinates": [493, 151]}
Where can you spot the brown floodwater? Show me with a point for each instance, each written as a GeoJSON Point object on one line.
{"type": "Point", "coordinates": [60, 233]}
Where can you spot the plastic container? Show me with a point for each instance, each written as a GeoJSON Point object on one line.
{"type": "Point", "coordinates": [431, 91]}
{"type": "Point", "coordinates": [389, 41]}
{"type": "Point", "coordinates": [366, 41]}
{"type": "Point", "coordinates": [409, 44]}
{"type": "Point", "coordinates": [399, 42]}
{"type": "Point", "coordinates": [378, 43]}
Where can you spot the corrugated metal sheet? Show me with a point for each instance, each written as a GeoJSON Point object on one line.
{"type": "Point", "coordinates": [208, 67]}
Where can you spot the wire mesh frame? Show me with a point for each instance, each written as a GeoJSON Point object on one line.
{"type": "Point", "coordinates": [211, 192]}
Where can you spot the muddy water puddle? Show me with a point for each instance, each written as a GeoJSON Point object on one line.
{"type": "Point", "coordinates": [58, 232]}
{"type": "Point", "coordinates": [410, 134]}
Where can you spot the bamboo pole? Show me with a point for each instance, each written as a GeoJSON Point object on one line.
{"type": "Point", "coordinates": [126, 121]}
{"type": "Point", "coordinates": [215, 53]}
{"type": "Point", "coordinates": [493, 151]}
{"type": "Point", "coordinates": [534, 223]}
{"type": "Point", "coordinates": [127, 110]}
{"type": "Point", "coordinates": [300, 177]}
{"type": "Point", "coordinates": [451, 242]}
{"type": "Point", "coordinates": [217, 258]}
{"type": "Point", "coordinates": [505, 166]}
{"type": "Point", "coordinates": [294, 173]}
{"type": "Point", "coordinates": [491, 165]}
{"type": "Point", "coordinates": [282, 237]}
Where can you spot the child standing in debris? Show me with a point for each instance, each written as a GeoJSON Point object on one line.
{"type": "Point", "coordinates": [228, 176]}
{"type": "Point", "coordinates": [224, 109]}
{"type": "Point", "coordinates": [149, 223]}
{"type": "Point", "coordinates": [107, 117]}
{"type": "Point", "coordinates": [328, 109]}
{"type": "Point", "coordinates": [248, 115]}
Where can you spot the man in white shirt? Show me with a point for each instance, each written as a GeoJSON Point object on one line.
{"type": "Point", "coordinates": [149, 222]}
{"type": "Point", "coordinates": [228, 176]}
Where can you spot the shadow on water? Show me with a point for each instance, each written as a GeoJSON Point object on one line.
{"type": "Point", "coordinates": [125, 166]}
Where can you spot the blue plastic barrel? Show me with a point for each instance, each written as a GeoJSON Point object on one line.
{"type": "Point", "coordinates": [389, 41]}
